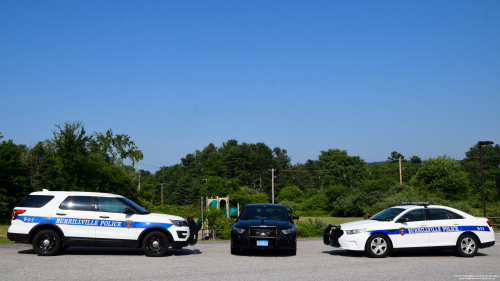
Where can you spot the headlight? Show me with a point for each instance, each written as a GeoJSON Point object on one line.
{"type": "Point", "coordinates": [179, 222]}
{"type": "Point", "coordinates": [288, 231]}
{"type": "Point", "coordinates": [356, 231]}
{"type": "Point", "coordinates": [238, 230]}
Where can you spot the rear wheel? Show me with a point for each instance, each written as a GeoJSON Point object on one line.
{"type": "Point", "coordinates": [47, 242]}
{"type": "Point", "coordinates": [467, 245]}
{"type": "Point", "coordinates": [378, 246]}
{"type": "Point", "coordinates": [155, 244]}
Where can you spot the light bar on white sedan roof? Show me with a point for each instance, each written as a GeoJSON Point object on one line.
{"type": "Point", "coordinates": [415, 203]}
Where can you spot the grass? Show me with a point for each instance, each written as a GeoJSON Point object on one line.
{"type": "Point", "coordinates": [3, 234]}
{"type": "Point", "coordinates": [334, 220]}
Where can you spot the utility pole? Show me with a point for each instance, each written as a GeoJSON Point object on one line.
{"type": "Point", "coordinates": [272, 182]}
{"type": "Point", "coordinates": [162, 193]}
{"type": "Point", "coordinates": [400, 174]}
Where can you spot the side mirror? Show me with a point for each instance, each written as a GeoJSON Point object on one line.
{"type": "Point", "coordinates": [234, 216]}
{"type": "Point", "coordinates": [128, 211]}
{"type": "Point", "coordinates": [295, 217]}
{"type": "Point", "coordinates": [402, 220]}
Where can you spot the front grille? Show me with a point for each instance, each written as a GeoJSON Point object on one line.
{"type": "Point", "coordinates": [262, 232]}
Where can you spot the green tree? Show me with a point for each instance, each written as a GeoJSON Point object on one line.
{"type": "Point", "coordinates": [13, 182]}
{"type": "Point", "coordinates": [290, 193]}
{"type": "Point", "coordinates": [260, 198]}
{"type": "Point", "coordinates": [442, 176]}
{"type": "Point", "coordinates": [218, 186]}
{"type": "Point", "coordinates": [343, 169]}
{"type": "Point", "coordinates": [395, 155]}
{"type": "Point", "coordinates": [415, 159]}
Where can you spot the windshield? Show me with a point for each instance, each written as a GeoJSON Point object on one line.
{"type": "Point", "coordinates": [387, 214]}
{"type": "Point", "coordinates": [135, 206]}
{"type": "Point", "coordinates": [278, 213]}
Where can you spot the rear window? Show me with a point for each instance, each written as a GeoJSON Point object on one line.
{"type": "Point", "coordinates": [35, 201]}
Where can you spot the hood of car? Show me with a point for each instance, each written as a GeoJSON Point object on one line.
{"type": "Point", "coordinates": [365, 224]}
{"type": "Point", "coordinates": [163, 217]}
{"type": "Point", "coordinates": [245, 223]}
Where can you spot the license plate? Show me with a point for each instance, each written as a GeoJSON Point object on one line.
{"type": "Point", "coordinates": [262, 243]}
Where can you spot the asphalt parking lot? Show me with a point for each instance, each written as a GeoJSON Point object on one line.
{"type": "Point", "coordinates": [212, 261]}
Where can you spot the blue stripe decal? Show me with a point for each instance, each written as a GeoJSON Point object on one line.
{"type": "Point", "coordinates": [430, 229]}
{"type": "Point", "coordinates": [89, 222]}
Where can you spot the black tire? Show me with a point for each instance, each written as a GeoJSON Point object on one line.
{"type": "Point", "coordinates": [47, 242]}
{"type": "Point", "coordinates": [235, 251]}
{"type": "Point", "coordinates": [291, 252]}
{"type": "Point", "coordinates": [155, 244]}
{"type": "Point", "coordinates": [467, 245]}
{"type": "Point", "coordinates": [378, 246]}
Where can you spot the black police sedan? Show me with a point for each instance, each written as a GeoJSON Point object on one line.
{"type": "Point", "coordinates": [264, 226]}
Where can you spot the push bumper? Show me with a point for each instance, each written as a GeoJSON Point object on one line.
{"type": "Point", "coordinates": [332, 234]}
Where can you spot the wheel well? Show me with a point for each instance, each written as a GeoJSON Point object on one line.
{"type": "Point", "coordinates": [41, 227]}
{"type": "Point", "coordinates": [148, 230]}
{"type": "Point", "coordinates": [473, 234]}
{"type": "Point", "coordinates": [383, 234]}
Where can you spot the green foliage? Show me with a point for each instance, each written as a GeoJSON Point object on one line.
{"type": "Point", "coordinates": [241, 197]}
{"type": "Point", "coordinates": [317, 202]}
{"type": "Point", "coordinates": [395, 156]}
{"type": "Point", "coordinates": [442, 177]}
{"type": "Point", "coordinates": [218, 186]}
{"type": "Point", "coordinates": [344, 169]}
{"type": "Point", "coordinates": [218, 223]}
{"type": "Point", "coordinates": [290, 193]}
{"type": "Point", "coordinates": [415, 160]}
{"type": "Point", "coordinates": [260, 198]}
{"type": "Point", "coordinates": [13, 182]}
{"type": "Point", "coordinates": [310, 228]}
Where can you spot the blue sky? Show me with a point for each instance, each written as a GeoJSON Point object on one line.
{"type": "Point", "coordinates": [369, 77]}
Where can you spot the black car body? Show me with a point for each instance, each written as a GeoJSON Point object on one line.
{"type": "Point", "coordinates": [264, 226]}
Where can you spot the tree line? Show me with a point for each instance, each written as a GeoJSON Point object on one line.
{"type": "Point", "coordinates": [335, 183]}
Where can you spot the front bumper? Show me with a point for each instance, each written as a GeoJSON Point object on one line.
{"type": "Point", "coordinates": [244, 241]}
{"type": "Point", "coordinates": [335, 237]}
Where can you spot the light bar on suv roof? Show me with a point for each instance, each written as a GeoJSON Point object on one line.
{"type": "Point", "coordinates": [416, 203]}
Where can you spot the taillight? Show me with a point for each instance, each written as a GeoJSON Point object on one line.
{"type": "Point", "coordinates": [16, 213]}
{"type": "Point", "coordinates": [489, 223]}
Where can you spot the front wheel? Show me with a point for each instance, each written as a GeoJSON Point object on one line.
{"type": "Point", "coordinates": [467, 246]}
{"type": "Point", "coordinates": [47, 242]}
{"type": "Point", "coordinates": [378, 246]}
{"type": "Point", "coordinates": [155, 244]}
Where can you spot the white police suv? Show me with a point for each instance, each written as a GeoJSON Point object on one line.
{"type": "Point", "coordinates": [413, 226]}
{"type": "Point", "coordinates": [55, 220]}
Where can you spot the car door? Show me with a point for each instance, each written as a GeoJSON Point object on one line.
{"type": "Point", "coordinates": [412, 234]}
{"type": "Point", "coordinates": [444, 231]}
{"type": "Point", "coordinates": [76, 217]}
{"type": "Point", "coordinates": [115, 228]}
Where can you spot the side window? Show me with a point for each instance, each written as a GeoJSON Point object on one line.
{"type": "Point", "coordinates": [454, 216]}
{"type": "Point", "coordinates": [77, 203]}
{"type": "Point", "coordinates": [415, 215]}
{"type": "Point", "coordinates": [111, 205]}
{"type": "Point", "coordinates": [438, 214]}
{"type": "Point", "coordinates": [35, 201]}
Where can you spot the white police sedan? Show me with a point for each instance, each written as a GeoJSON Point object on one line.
{"type": "Point", "coordinates": [413, 226]}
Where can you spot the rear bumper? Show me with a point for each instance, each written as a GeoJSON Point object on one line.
{"type": "Point", "coordinates": [487, 244]}
{"type": "Point", "coordinates": [18, 237]}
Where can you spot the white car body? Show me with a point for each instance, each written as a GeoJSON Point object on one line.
{"type": "Point", "coordinates": [412, 235]}
{"type": "Point", "coordinates": [95, 227]}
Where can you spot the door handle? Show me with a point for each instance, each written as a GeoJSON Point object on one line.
{"type": "Point", "coordinates": [104, 217]}
{"type": "Point", "coordinates": [456, 223]}
{"type": "Point", "coordinates": [60, 214]}
{"type": "Point", "coordinates": [423, 224]}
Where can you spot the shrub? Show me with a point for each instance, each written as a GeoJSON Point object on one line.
{"type": "Point", "coordinates": [310, 228]}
